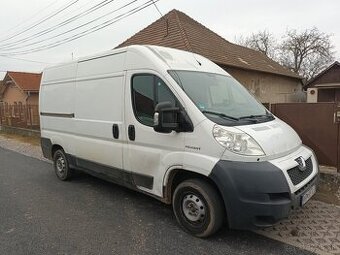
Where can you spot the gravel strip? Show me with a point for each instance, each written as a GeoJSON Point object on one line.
{"type": "Point", "coordinates": [23, 148]}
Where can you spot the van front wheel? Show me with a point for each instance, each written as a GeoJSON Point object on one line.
{"type": "Point", "coordinates": [198, 207]}
{"type": "Point", "coordinates": [61, 166]}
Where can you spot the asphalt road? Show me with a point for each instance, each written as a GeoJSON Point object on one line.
{"type": "Point", "coordinates": [41, 215]}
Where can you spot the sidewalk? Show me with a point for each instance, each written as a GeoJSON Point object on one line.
{"type": "Point", "coordinates": [27, 149]}
{"type": "Point", "coordinates": [315, 227]}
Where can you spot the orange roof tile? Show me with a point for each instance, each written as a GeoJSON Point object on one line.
{"type": "Point", "coordinates": [26, 81]}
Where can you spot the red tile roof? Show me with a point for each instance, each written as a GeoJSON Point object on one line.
{"type": "Point", "coordinates": [26, 81]}
{"type": "Point", "coordinates": [177, 30]}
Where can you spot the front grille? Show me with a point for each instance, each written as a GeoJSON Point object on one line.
{"type": "Point", "coordinates": [297, 176]}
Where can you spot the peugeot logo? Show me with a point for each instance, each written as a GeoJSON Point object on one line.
{"type": "Point", "coordinates": [302, 163]}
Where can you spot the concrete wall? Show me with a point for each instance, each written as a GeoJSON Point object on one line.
{"type": "Point", "coordinates": [269, 88]}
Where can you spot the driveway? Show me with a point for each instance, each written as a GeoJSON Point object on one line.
{"type": "Point", "coordinates": [42, 215]}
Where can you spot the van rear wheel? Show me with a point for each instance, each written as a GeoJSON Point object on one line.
{"type": "Point", "coordinates": [198, 207]}
{"type": "Point", "coordinates": [61, 166]}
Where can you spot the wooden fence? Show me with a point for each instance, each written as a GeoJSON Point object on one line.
{"type": "Point", "coordinates": [19, 115]}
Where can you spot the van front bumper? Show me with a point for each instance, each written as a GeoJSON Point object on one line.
{"type": "Point", "coordinates": [257, 194]}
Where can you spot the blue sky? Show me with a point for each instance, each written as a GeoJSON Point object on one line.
{"type": "Point", "coordinates": [228, 18]}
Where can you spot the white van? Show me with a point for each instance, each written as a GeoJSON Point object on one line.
{"type": "Point", "coordinates": [174, 125]}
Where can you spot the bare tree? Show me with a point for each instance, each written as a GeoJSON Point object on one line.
{"type": "Point", "coordinates": [262, 41]}
{"type": "Point", "coordinates": [306, 52]}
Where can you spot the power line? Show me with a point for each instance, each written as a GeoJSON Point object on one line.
{"type": "Point", "coordinates": [157, 9]}
{"type": "Point", "coordinates": [31, 17]}
{"type": "Point", "coordinates": [162, 16]}
{"type": "Point", "coordinates": [86, 32]}
{"type": "Point", "coordinates": [75, 28]}
{"type": "Point", "coordinates": [9, 46]}
{"type": "Point", "coordinates": [42, 21]}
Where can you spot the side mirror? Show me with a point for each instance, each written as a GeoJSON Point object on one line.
{"type": "Point", "coordinates": [166, 118]}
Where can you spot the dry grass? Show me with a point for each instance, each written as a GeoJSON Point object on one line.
{"type": "Point", "coordinates": [21, 138]}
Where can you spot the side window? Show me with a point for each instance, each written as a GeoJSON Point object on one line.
{"type": "Point", "coordinates": [147, 91]}
{"type": "Point", "coordinates": [143, 98]}
{"type": "Point", "coordinates": [164, 94]}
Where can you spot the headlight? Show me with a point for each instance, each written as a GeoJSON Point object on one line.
{"type": "Point", "coordinates": [237, 142]}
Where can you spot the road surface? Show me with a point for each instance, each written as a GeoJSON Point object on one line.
{"type": "Point", "coordinates": [41, 215]}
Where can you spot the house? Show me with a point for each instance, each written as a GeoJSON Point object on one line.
{"type": "Point", "coordinates": [266, 79]}
{"type": "Point", "coordinates": [19, 98]}
{"type": "Point", "coordinates": [2, 88]}
{"type": "Point", "coordinates": [20, 88]}
{"type": "Point", "coordinates": [325, 87]}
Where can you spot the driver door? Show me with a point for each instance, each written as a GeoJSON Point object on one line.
{"type": "Point", "coordinates": [148, 154]}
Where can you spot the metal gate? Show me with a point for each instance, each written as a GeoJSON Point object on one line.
{"type": "Point", "coordinates": [318, 126]}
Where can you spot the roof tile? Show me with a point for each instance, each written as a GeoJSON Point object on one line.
{"type": "Point", "coordinates": [26, 81]}
{"type": "Point", "coordinates": [177, 30]}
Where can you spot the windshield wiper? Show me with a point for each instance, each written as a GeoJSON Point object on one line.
{"type": "Point", "coordinates": [256, 116]}
{"type": "Point", "coordinates": [220, 114]}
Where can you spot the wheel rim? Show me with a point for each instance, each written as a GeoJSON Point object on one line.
{"type": "Point", "coordinates": [193, 208]}
{"type": "Point", "coordinates": [61, 165]}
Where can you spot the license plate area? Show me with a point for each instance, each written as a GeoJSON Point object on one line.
{"type": "Point", "coordinates": [307, 195]}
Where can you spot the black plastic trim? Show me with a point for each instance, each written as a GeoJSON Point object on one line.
{"type": "Point", "coordinates": [252, 192]}
{"type": "Point", "coordinates": [46, 147]}
{"type": "Point", "coordinates": [142, 180]}
{"type": "Point", "coordinates": [115, 175]}
{"type": "Point", "coordinates": [61, 115]}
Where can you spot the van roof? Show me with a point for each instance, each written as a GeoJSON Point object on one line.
{"type": "Point", "coordinates": [171, 58]}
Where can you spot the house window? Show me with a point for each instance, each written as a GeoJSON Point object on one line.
{"type": "Point", "coordinates": [147, 91]}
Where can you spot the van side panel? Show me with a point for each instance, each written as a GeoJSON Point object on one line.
{"type": "Point", "coordinates": [98, 106]}
{"type": "Point", "coordinates": [57, 105]}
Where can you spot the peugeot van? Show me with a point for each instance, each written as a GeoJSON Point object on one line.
{"type": "Point", "coordinates": [174, 125]}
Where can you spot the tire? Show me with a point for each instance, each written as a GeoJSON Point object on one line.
{"type": "Point", "coordinates": [61, 165]}
{"type": "Point", "coordinates": [198, 207]}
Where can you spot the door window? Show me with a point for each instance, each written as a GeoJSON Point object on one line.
{"type": "Point", "coordinates": [147, 91]}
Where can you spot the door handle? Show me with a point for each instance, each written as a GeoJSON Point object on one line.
{"type": "Point", "coordinates": [132, 132]}
{"type": "Point", "coordinates": [115, 131]}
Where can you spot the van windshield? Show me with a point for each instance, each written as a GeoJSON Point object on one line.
{"type": "Point", "coordinates": [221, 98]}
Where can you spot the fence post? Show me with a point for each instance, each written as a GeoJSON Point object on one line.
{"type": "Point", "coordinates": [337, 108]}
{"type": "Point", "coordinates": [30, 111]}
{"type": "Point", "coordinates": [338, 140]}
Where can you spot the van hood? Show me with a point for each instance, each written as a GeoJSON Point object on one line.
{"type": "Point", "coordinates": [274, 137]}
